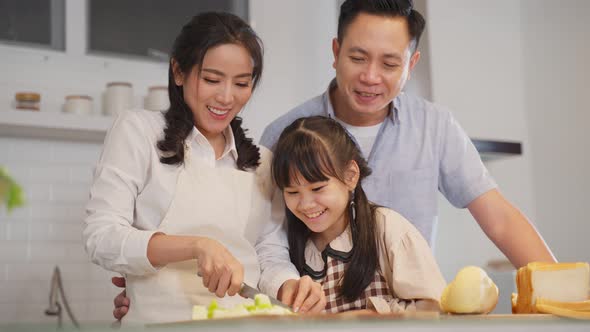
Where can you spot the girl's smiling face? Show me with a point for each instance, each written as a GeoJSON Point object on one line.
{"type": "Point", "coordinates": [322, 206]}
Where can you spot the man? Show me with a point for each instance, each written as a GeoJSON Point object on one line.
{"type": "Point", "coordinates": [415, 148]}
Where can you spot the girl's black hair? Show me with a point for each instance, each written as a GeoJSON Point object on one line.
{"type": "Point", "coordinates": [200, 34]}
{"type": "Point", "coordinates": [318, 147]}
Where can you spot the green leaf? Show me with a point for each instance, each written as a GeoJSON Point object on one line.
{"type": "Point", "coordinates": [11, 193]}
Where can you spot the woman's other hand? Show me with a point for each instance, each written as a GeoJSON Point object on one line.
{"type": "Point", "coordinates": [303, 295]}
{"type": "Point", "coordinates": [221, 272]}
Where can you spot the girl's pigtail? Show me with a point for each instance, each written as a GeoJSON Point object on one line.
{"type": "Point", "coordinates": [357, 277]}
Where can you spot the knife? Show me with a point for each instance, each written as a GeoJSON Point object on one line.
{"type": "Point", "coordinates": [249, 292]}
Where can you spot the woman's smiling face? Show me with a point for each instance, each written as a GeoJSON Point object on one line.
{"type": "Point", "coordinates": [218, 90]}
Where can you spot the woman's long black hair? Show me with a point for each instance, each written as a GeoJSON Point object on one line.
{"type": "Point", "coordinates": [200, 34]}
{"type": "Point", "coordinates": [318, 147]}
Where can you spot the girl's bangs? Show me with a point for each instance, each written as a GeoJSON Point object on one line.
{"type": "Point", "coordinates": [302, 155]}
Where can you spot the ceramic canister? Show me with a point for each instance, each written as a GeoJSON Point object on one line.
{"type": "Point", "coordinates": [118, 97]}
{"type": "Point", "coordinates": [157, 98]}
{"type": "Point", "coordinates": [78, 104]}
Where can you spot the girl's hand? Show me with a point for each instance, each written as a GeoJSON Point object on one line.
{"type": "Point", "coordinates": [220, 270]}
{"type": "Point", "coordinates": [303, 295]}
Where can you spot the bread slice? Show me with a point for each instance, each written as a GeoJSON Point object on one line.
{"type": "Point", "coordinates": [577, 306]}
{"type": "Point", "coordinates": [562, 311]}
{"type": "Point", "coordinates": [561, 282]}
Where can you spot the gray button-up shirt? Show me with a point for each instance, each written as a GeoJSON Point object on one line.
{"type": "Point", "coordinates": [420, 149]}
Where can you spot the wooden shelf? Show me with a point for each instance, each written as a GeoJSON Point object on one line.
{"type": "Point", "coordinates": [56, 125]}
{"type": "Point", "coordinates": [493, 150]}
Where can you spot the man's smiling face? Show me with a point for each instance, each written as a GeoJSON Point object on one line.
{"type": "Point", "coordinates": [373, 62]}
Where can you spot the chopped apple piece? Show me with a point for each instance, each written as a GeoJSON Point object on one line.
{"type": "Point", "coordinates": [261, 306]}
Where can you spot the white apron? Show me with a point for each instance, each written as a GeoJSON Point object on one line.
{"type": "Point", "coordinates": [224, 204]}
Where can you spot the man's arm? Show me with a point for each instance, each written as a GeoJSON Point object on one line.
{"type": "Point", "coordinates": [509, 229]}
{"type": "Point", "coordinates": [272, 248]}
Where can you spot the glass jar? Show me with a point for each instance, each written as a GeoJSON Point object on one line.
{"type": "Point", "coordinates": [27, 101]}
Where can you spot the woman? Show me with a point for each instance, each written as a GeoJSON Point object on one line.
{"type": "Point", "coordinates": [169, 189]}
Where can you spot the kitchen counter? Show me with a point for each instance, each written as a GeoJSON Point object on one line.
{"type": "Point", "coordinates": [444, 323]}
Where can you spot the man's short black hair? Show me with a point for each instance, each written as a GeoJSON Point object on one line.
{"type": "Point", "coordinates": [350, 9]}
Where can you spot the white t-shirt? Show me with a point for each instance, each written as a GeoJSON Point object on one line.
{"type": "Point", "coordinates": [365, 136]}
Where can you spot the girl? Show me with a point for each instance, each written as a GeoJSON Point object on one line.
{"type": "Point", "coordinates": [185, 194]}
{"type": "Point", "coordinates": [355, 249]}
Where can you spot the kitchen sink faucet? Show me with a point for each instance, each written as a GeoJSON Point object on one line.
{"type": "Point", "coordinates": [54, 305]}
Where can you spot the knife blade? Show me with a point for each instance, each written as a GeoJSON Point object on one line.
{"type": "Point", "coordinates": [250, 292]}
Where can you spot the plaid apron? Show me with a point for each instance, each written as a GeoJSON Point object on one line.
{"type": "Point", "coordinates": [331, 278]}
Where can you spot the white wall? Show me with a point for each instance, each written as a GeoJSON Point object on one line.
{"type": "Point", "coordinates": [297, 36]}
{"type": "Point", "coordinates": [48, 232]}
{"type": "Point", "coordinates": [476, 69]}
{"type": "Point", "coordinates": [420, 83]}
{"type": "Point", "coordinates": [556, 71]}
{"type": "Point", "coordinates": [518, 71]}
{"type": "Point", "coordinates": [56, 174]}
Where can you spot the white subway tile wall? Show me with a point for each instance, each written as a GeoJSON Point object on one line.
{"type": "Point", "coordinates": [47, 232]}
{"type": "Point", "coordinates": [56, 177]}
